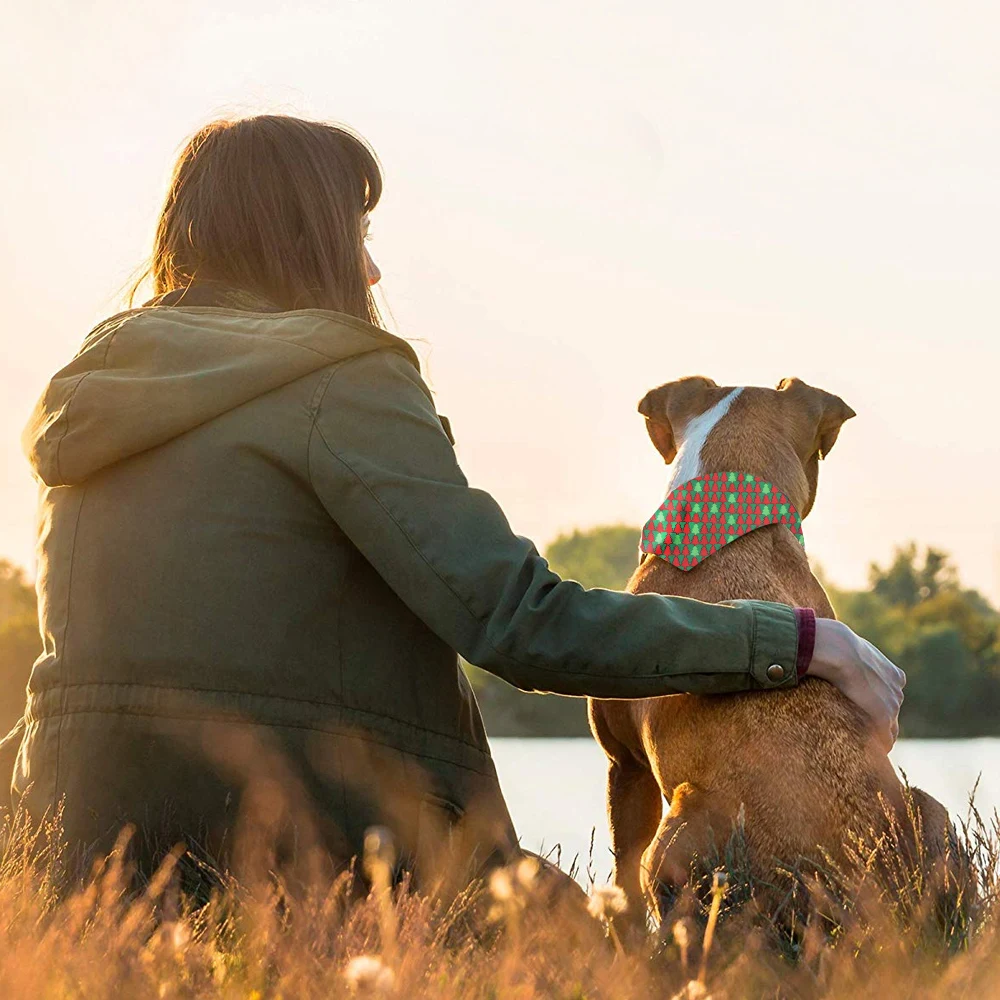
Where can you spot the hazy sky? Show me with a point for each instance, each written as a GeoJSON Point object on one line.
{"type": "Point", "coordinates": [581, 202]}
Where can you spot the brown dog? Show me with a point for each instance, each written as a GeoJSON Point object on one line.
{"type": "Point", "coordinates": [799, 767]}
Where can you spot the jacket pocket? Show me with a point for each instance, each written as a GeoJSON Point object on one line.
{"type": "Point", "coordinates": [439, 842]}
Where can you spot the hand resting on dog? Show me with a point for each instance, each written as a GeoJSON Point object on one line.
{"type": "Point", "coordinates": [863, 673]}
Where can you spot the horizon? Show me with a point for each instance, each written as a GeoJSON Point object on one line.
{"type": "Point", "coordinates": [579, 205]}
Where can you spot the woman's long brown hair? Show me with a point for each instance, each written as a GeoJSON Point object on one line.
{"type": "Point", "coordinates": [273, 205]}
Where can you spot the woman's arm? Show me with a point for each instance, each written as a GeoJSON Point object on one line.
{"type": "Point", "coordinates": [385, 470]}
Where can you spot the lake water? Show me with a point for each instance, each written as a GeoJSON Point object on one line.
{"type": "Point", "coordinates": [555, 788]}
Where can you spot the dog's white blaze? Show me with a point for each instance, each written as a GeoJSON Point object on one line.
{"type": "Point", "coordinates": [687, 464]}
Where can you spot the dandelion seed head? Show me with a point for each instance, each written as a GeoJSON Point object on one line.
{"type": "Point", "coordinates": [180, 935]}
{"type": "Point", "coordinates": [694, 990]}
{"type": "Point", "coordinates": [681, 936]}
{"type": "Point", "coordinates": [526, 872]}
{"type": "Point", "coordinates": [378, 842]}
{"type": "Point", "coordinates": [605, 901]}
{"type": "Point", "coordinates": [500, 885]}
{"type": "Point", "coordinates": [369, 974]}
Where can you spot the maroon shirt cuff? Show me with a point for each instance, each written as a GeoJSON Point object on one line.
{"type": "Point", "coordinates": [805, 618]}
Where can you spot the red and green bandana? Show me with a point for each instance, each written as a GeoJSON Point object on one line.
{"type": "Point", "coordinates": [703, 514]}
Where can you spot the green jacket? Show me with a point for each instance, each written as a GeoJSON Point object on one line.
{"type": "Point", "coordinates": [257, 559]}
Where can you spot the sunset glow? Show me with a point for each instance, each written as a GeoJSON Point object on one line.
{"type": "Point", "coordinates": [579, 205]}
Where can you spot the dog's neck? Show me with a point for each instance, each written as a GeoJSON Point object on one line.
{"type": "Point", "coordinates": [703, 442]}
{"type": "Point", "coordinates": [688, 463]}
{"type": "Point", "coordinates": [718, 440]}
{"type": "Point", "coordinates": [767, 563]}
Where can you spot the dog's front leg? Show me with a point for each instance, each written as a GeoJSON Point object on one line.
{"type": "Point", "coordinates": [634, 807]}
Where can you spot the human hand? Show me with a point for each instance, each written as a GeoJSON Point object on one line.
{"type": "Point", "coordinates": [872, 681]}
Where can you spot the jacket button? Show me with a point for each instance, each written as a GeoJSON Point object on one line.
{"type": "Point", "coordinates": [775, 672]}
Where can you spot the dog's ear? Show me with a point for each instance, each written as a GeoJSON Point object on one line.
{"type": "Point", "coordinates": [667, 407]}
{"type": "Point", "coordinates": [822, 413]}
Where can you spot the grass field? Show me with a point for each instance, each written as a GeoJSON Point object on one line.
{"type": "Point", "coordinates": [518, 935]}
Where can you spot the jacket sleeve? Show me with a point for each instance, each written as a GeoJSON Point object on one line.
{"type": "Point", "coordinates": [383, 467]}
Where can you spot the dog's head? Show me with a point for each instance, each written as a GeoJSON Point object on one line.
{"type": "Point", "coordinates": [777, 434]}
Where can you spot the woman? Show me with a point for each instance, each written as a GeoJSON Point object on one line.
{"type": "Point", "coordinates": [258, 555]}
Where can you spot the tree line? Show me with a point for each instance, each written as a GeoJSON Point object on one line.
{"type": "Point", "coordinates": [916, 610]}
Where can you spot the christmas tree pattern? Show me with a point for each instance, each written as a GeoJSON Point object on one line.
{"type": "Point", "coordinates": [704, 514]}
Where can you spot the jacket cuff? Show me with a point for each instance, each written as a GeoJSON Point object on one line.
{"type": "Point", "coordinates": [806, 619]}
{"type": "Point", "coordinates": [774, 655]}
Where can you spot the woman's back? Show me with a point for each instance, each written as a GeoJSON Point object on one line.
{"type": "Point", "coordinates": [192, 579]}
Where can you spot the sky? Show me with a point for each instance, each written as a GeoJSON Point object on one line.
{"type": "Point", "coordinates": [583, 200]}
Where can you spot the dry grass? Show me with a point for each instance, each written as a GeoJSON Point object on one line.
{"type": "Point", "coordinates": [513, 937]}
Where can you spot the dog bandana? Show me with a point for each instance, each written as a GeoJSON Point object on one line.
{"type": "Point", "coordinates": [703, 514]}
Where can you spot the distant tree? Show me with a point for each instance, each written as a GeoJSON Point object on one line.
{"type": "Point", "coordinates": [17, 596]}
{"type": "Point", "coordinates": [946, 638]}
{"type": "Point", "coordinates": [906, 583]}
{"type": "Point", "coordinates": [20, 643]}
{"type": "Point", "coordinates": [601, 557]}
{"type": "Point", "coordinates": [510, 712]}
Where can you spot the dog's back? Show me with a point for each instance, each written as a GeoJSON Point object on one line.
{"type": "Point", "coordinates": [798, 768]}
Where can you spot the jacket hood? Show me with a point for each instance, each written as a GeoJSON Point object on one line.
{"type": "Point", "coordinates": [148, 375]}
